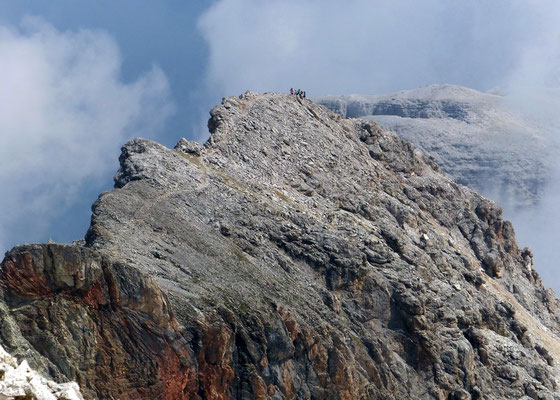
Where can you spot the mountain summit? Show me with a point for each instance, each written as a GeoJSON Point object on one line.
{"type": "Point", "coordinates": [295, 255]}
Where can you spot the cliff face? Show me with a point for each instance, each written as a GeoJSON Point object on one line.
{"type": "Point", "coordinates": [75, 314]}
{"type": "Point", "coordinates": [295, 255]}
{"type": "Point", "coordinates": [482, 140]}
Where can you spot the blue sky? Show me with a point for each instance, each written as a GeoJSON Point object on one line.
{"type": "Point", "coordinates": [146, 32]}
{"type": "Point", "coordinates": [81, 78]}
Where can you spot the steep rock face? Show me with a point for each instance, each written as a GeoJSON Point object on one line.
{"type": "Point", "coordinates": [294, 255]}
{"type": "Point", "coordinates": [482, 140]}
{"type": "Point", "coordinates": [74, 314]}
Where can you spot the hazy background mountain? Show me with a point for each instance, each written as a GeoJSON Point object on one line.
{"type": "Point", "coordinates": [483, 140]}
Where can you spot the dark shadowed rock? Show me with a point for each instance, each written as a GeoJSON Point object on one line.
{"type": "Point", "coordinates": [296, 255]}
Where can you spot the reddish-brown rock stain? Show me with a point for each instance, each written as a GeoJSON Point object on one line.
{"type": "Point", "coordinates": [22, 278]}
{"type": "Point", "coordinates": [94, 297]}
{"type": "Point", "coordinates": [178, 383]}
{"type": "Point", "coordinates": [215, 372]}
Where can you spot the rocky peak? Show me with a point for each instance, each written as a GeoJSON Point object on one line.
{"type": "Point", "coordinates": [296, 254]}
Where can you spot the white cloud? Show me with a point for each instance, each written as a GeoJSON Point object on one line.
{"type": "Point", "coordinates": [64, 112]}
{"type": "Point", "coordinates": [363, 46]}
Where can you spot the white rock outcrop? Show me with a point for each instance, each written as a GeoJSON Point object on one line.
{"type": "Point", "coordinates": [20, 381]}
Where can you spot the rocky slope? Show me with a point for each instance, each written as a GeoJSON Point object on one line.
{"type": "Point", "coordinates": [296, 255]}
{"type": "Point", "coordinates": [482, 140]}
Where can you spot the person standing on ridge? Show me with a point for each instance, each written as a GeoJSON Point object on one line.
{"type": "Point", "coordinates": [291, 90]}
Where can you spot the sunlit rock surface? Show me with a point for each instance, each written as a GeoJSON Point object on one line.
{"type": "Point", "coordinates": [18, 381]}
{"type": "Point", "coordinates": [296, 255]}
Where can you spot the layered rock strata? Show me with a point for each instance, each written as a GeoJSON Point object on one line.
{"type": "Point", "coordinates": [296, 255]}
{"type": "Point", "coordinates": [75, 314]}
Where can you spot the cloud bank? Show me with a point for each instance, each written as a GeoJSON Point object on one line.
{"type": "Point", "coordinates": [64, 112]}
{"type": "Point", "coordinates": [364, 46]}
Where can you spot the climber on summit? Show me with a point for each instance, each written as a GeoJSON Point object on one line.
{"type": "Point", "coordinates": [298, 92]}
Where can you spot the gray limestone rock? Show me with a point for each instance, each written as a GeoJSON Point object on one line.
{"type": "Point", "coordinates": [188, 147]}
{"type": "Point", "coordinates": [297, 254]}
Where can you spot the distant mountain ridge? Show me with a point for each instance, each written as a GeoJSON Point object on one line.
{"type": "Point", "coordinates": [478, 138]}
